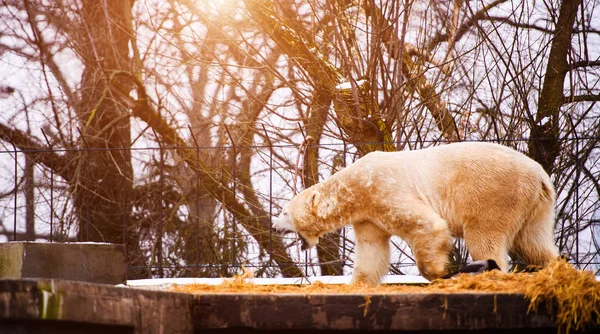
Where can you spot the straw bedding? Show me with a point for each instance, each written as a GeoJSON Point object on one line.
{"type": "Point", "coordinates": [572, 296]}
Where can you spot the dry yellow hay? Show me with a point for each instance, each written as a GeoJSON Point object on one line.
{"type": "Point", "coordinates": [572, 296]}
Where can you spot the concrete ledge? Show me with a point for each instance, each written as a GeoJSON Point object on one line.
{"type": "Point", "coordinates": [87, 262]}
{"type": "Point", "coordinates": [55, 306]}
{"type": "Point", "coordinates": [67, 306]}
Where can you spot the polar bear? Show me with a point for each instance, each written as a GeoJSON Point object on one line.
{"type": "Point", "coordinates": [494, 197]}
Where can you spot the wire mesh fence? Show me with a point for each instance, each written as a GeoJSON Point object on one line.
{"type": "Point", "coordinates": [215, 219]}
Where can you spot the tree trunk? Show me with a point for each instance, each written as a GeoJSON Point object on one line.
{"type": "Point", "coordinates": [543, 142]}
{"type": "Point", "coordinates": [328, 250]}
{"type": "Point", "coordinates": [103, 185]}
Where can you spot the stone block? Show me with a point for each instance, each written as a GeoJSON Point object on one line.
{"type": "Point", "coordinates": [86, 262]}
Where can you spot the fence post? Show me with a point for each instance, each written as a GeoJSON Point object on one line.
{"type": "Point", "coordinates": [160, 207]}
{"type": "Point", "coordinates": [233, 177]}
{"type": "Point", "coordinates": [51, 187]}
{"type": "Point", "coordinates": [16, 194]}
{"type": "Point", "coordinates": [270, 145]}
{"type": "Point", "coordinates": [577, 184]}
{"type": "Point", "coordinates": [87, 187]}
{"type": "Point", "coordinates": [197, 219]}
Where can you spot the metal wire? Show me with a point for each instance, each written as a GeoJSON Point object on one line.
{"type": "Point", "coordinates": [166, 265]}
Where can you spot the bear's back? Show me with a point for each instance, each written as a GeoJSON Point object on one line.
{"type": "Point", "coordinates": [452, 155]}
{"type": "Point", "coordinates": [464, 173]}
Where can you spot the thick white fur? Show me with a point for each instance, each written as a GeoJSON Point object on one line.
{"type": "Point", "coordinates": [494, 197]}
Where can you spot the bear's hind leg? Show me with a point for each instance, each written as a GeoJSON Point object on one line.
{"type": "Point", "coordinates": [488, 245]}
{"type": "Point", "coordinates": [534, 243]}
{"type": "Point", "coordinates": [535, 253]}
{"type": "Point", "coordinates": [372, 258]}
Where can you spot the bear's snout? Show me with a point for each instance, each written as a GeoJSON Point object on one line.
{"type": "Point", "coordinates": [280, 230]}
{"type": "Point", "coordinates": [304, 244]}
{"type": "Point", "coordinates": [282, 224]}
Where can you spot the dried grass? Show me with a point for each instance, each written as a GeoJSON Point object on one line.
{"type": "Point", "coordinates": [571, 296]}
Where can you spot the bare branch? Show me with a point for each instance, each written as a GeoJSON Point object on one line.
{"type": "Point", "coordinates": [581, 98]}
{"type": "Point", "coordinates": [39, 153]}
{"type": "Point", "coordinates": [584, 63]}
{"type": "Point", "coordinates": [465, 27]}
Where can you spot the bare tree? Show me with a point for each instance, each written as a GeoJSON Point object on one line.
{"type": "Point", "coordinates": [236, 101]}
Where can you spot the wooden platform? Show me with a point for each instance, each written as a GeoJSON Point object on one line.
{"type": "Point", "coordinates": [56, 306]}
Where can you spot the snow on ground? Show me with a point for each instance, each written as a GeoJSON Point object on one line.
{"type": "Point", "coordinates": [162, 282]}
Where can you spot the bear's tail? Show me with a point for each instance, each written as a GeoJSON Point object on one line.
{"type": "Point", "coordinates": [547, 193]}
{"type": "Point", "coordinates": [542, 211]}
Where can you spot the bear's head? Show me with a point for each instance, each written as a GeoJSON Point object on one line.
{"type": "Point", "coordinates": [305, 215]}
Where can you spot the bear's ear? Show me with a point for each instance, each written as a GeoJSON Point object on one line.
{"type": "Point", "coordinates": [313, 200]}
{"type": "Point", "coordinates": [320, 207]}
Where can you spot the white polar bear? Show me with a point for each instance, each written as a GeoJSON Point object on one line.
{"type": "Point", "coordinates": [494, 197]}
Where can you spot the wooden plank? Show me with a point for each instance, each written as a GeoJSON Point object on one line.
{"type": "Point", "coordinates": [411, 312]}
{"type": "Point", "coordinates": [69, 303]}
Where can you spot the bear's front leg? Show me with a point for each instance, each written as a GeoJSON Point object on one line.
{"type": "Point", "coordinates": [431, 242]}
{"type": "Point", "coordinates": [372, 254]}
